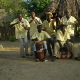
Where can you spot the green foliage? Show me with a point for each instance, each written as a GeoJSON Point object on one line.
{"type": "Point", "coordinates": [25, 7]}
{"type": "Point", "coordinates": [37, 6]}
{"type": "Point", "coordinates": [12, 38]}
{"type": "Point", "coordinates": [11, 6]}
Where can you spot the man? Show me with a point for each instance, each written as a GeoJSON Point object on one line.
{"type": "Point", "coordinates": [49, 25]}
{"type": "Point", "coordinates": [21, 26]}
{"type": "Point", "coordinates": [34, 21]}
{"type": "Point", "coordinates": [70, 21]}
{"type": "Point", "coordinates": [62, 38]}
{"type": "Point", "coordinates": [40, 36]}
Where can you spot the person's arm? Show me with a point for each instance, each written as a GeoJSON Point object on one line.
{"type": "Point", "coordinates": [31, 21]}
{"type": "Point", "coordinates": [61, 20]}
{"type": "Point", "coordinates": [46, 36]}
{"type": "Point", "coordinates": [54, 24]}
{"type": "Point", "coordinates": [35, 39]}
{"type": "Point", "coordinates": [58, 38]}
{"type": "Point", "coordinates": [74, 20]}
{"type": "Point", "coordinates": [43, 26]}
{"type": "Point", "coordinates": [27, 25]}
{"type": "Point", "coordinates": [60, 43]}
{"type": "Point", "coordinates": [14, 23]}
{"type": "Point", "coordinates": [37, 20]}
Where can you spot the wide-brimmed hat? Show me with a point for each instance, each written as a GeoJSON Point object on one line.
{"type": "Point", "coordinates": [49, 13]}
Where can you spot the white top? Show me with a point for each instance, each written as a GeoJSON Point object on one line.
{"type": "Point", "coordinates": [70, 23]}
{"type": "Point", "coordinates": [20, 32]}
{"type": "Point", "coordinates": [33, 25]}
{"type": "Point", "coordinates": [62, 37]}
{"type": "Point", "coordinates": [40, 36]}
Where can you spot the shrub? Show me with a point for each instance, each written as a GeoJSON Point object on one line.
{"type": "Point", "coordinates": [12, 38]}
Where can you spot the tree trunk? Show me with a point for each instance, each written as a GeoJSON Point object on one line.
{"type": "Point", "coordinates": [60, 6]}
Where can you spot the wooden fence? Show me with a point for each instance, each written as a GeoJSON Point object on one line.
{"type": "Point", "coordinates": [5, 32]}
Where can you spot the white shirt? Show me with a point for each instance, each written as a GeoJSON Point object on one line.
{"type": "Point", "coordinates": [48, 26]}
{"type": "Point", "coordinates": [33, 25]}
{"type": "Point", "coordinates": [20, 32]}
{"type": "Point", "coordinates": [70, 23]}
{"type": "Point", "coordinates": [62, 37]}
{"type": "Point", "coordinates": [40, 36]}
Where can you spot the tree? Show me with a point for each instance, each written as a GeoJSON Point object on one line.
{"type": "Point", "coordinates": [11, 6]}
{"type": "Point", "coordinates": [37, 6]}
{"type": "Point", "coordinates": [61, 6]}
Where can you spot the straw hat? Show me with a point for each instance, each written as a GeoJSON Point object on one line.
{"type": "Point", "coordinates": [49, 13]}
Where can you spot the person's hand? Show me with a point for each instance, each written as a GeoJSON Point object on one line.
{"type": "Point", "coordinates": [25, 28]}
{"type": "Point", "coordinates": [36, 21]}
{"type": "Point", "coordinates": [17, 22]}
{"type": "Point", "coordinates": [43, 40]}
{"type": "Point", "coordinates": [75, 22]}
{"type": "Point", "coordinates": [59, 19]}
{"type": "Point", "coordinates": [36, 39]}
{"type": "Point", "coordinates": [30, 21]}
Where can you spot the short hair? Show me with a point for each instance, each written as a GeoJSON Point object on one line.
{"type": "Point", "coordinates": [33, 12]}
{"type": "Point", "coordinates": [67, 12]}
{"type": "Point", "coordinates": [62, 25]}
{"type": "Point", "coordinates": [39, 25]}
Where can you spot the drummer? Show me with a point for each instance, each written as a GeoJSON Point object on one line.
{"type": "Point", "coordinates": [40, 36]}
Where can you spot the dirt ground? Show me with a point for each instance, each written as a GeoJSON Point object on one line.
{"type": "Point", "coordinates": [12, 67]}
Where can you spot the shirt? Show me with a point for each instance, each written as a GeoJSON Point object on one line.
{"type": "Point", "coordinates": [48, 26]}
{"type": "Point", "coordinates": [41, 36]}
{"type": "Point", "coordinates": [20, 32]}
{"type": "Point", "coordinates": [70, 23]}
{"type": "Point", "coordinates": [33, 25]}
{"type": "Point", "coordinates": [62, 37]}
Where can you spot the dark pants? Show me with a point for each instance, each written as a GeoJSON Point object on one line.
{"type": "Point", "coordinates": [72, 39]}
{"type": "Point", "coordinates": [50, 44]}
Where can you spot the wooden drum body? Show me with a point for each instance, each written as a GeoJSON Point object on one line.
{"type": "Point", "coordinates": [40, 50]}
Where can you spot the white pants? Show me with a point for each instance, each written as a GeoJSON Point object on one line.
{"type": "Point", "coordinates": [31, 45]}
{"type": "Point", "coordinates": [57, 48]}
{"type": "Point", "coordinates": [23, 46]}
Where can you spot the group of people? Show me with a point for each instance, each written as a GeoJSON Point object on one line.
{"type": "Point", "coordinates": [53, 39]}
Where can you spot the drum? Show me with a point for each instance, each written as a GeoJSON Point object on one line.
{"type": "Point", "coordinates": [40, 50]}
{"type": "Point", "coordinates": [63, 53]}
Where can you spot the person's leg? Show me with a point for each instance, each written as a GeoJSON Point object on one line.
{"type": "Point", "coordinates": [50, 44]}
{"type": "Point", "coordinates": [34, 49]}
{"type": "Point", "coordinates": [71, 49]}
{"type": "Point", "coordinates": [26, 45]}
{"type": "Point", "coordinates": [49, 47]}
{"type": "Point", "coordinates": [21, 47]}
{"type": "Point", "coordinates": [45, 49]}
{"type": "Point", "coordinates": [56, 49]}
{"type": "Point", "coordinates": [31, 47]}
{"type": "Point", "coordinates": [53, 41]}
{"type": "Point", "coordinates": [72, 39]}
